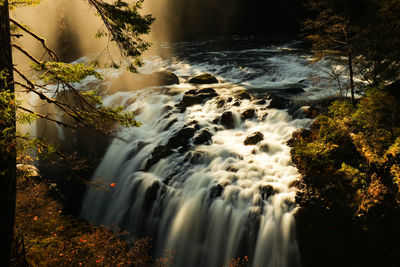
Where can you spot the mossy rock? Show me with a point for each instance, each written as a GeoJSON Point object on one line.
{"type": "Point", "coordinates": [205, 78]}
{"type": "Point", "coordinates": [167, 78]}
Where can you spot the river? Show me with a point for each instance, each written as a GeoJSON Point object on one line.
{"type": "Point", "coordinates": [186, 178]}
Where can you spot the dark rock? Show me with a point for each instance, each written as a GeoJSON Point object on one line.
{"type": "Point", "coordinates": [181, 138]}
{"type": "Point", "coordinates": [193, 97]}
{"type": "Point", "coordinates": [55, 193]}
{"type": "Point", "coordinates": [264, 148]}
{"type": "Point", "coordinates": [221, 103]}
{"type": "Point", "coordinates": [277, 102]}
{"type": "Point", "coordinates": [312, 112]}
{"type": "Point", "coordinates": [167, 108]}
{"type": "Point", "coordinates": [237, 103]}
{"type": "Point", "coordinates": [393, 89]}
{"type": "Point", "coordinates": [216, 191]}
{"type": "Point", "coordinates": [170, 177]}
{"type": "Point", "coordinates": [158, 153]}
{"type": "Point", "coordinates": [166, 116]}
{"type": "Point", "coordinates": [203, 79]}
{"type": "Point", "coordinates": [203, 137]}
{"type": "Point", "coordinates": [216, 120]}
{"type": "Point", "coordinates": [266, 191]}
{"type": "Point", "coordinates": [198, 157]}
{"type": "Point", "coordinates": [264, 117]}
{"type": "Point", "coordinates": [260, 102]}
{"type": "Point", "coordinates": [170, 123]}
{"type": "Point", "coordinates": [248, 114]}
{"type": "Point", "coordinates": [151, 195]}
{"type": "Point", "coordinates": [294, 90]}
{"type": "Point", "coordinates": [296, 183]}
{"type": "Point", "coordinates": [232, 169]}
{"type": "Point", "coordinates": [244, 95]}
{"type": "Point", "coordinates": [181, 109]}
{"type": "Point", "coordinates": [208, 90]}
{"type": "Point", "coordinates": [298, 135]}
{"type": "Point", "coordinates": [253, 138]}
{"type": "Point", "coordinates": [194, 124]}
{"type": "Point", "coordinates": [167, 77]}
{"type": "Point", "coordinates": [227, 120]}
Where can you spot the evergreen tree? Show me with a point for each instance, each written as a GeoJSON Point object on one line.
{"type": "Point", "coordinates": [124, 25]}
{"type": "Point", "coordinates": [334, 35]}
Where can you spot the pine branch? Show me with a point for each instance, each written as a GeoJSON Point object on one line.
{"type": "Point", "coordinates": [51, 53]}
{"type": "Point", "coordinates": [26, 53]}
{"type": "Point", "coordinates": [46, 117]}
{"type": "Point", "coordinates": [64, 107]}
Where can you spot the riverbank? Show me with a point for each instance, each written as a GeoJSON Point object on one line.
{"type": "Point", "coordinates": [349, 194]}
{"type": "Point", "coordinates": [48, 236]}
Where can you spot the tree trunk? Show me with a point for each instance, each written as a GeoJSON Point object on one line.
{"type": "Point", "coordinates": [7, 158]}
{"type": "Point", "coordinates": [351, 74]}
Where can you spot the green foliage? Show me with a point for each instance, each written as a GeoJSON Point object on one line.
{"type": "Point", "coordinates": [20, 3]}
{"type": "Point", "coordinates": [59, 72]}
{"type": "Point", "coordinates": [124, 25]}
{"type": "Point", "coordinates": [362, 33]}
{"type": "Point", "coordinates": [7, 122]}
{"type": "Point", "coordinates": [353, 150]}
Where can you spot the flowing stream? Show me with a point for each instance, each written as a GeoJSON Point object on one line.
{"type": "Point", "coordinates": [189, 182]}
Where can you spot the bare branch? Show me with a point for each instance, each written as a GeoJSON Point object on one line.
{"type": "Point", "coordinates": [46, 117]}
{"type": "Point", "coordinates": [26, 53]}
{"type": "Point", "coordinates": [51, 53]}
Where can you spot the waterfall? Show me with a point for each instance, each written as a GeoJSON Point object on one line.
{"type": "Point", "coordinates": [191, 183]}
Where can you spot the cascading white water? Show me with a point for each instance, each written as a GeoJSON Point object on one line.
{"type": "Point", "coordinates": [220, 199]}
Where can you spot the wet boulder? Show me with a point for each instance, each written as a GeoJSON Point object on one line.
{"type": "Point", "coordinates": [205, 78]}
{"type": "Point", "coordinates": [294, 90]}
{"type": "Point", "coordinates": [197, 157]}
{"type": "Point", "coordinates": [264, 117]}
{"type": "Point", "coordinates": [253, 139]}
{"type": "Point", "coordinates": [158, 153]}
{"type": "Point", "coordinates": [216, 120]}
{"type": "Point", "coordinates": [264, 148]}
{"type": "Point", "coordinates": [232, 169]}
{"type": "Point", "coordinates": [248, 114]}
{"type": "Point", "coordinates": [151, 195]}
{"type": "Point", "coordinates": [266, 191]}
{"type": "Point", "coordinates": [237, 103]}
{"type": "Point", "coordinates": [227, 120]}
{"type": "Point", "coordinates": [277, 102]}
{"type": "Point", "coordinates": [194, 124]}
{"type": "Point", "coordinates": [181, 138]}
{"type": "Point", "coordinates": [194, 97]}
{"type": "Point", "coordinates": [170, 123]}
{"type": "Point", "coordinates": [216, 191]}
{"type": "Point", "coordinates": [221, 103]}
{"type": "Point", "coordinates": [166, 77]}
{"type": "Point", "coordinates": [260, 102]}
{"type": "Point", "coordinates": [203, 137]}
{"type": "Point", "coordinates": [311, 112]}
{"type": "Point", "coordinates": [244, 95]}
